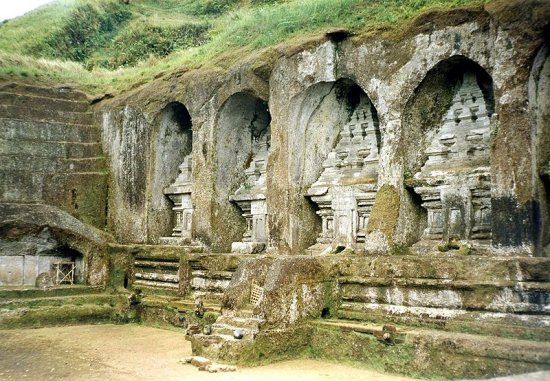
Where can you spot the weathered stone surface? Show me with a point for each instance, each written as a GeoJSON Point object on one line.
{"type": "Point", "coordinates": [429, 143]}
{"type": "Point", "coordinates": [200, 362]}
{"type": "Point", "coordinates": [247, 247]}
{"type": "Point", "coordinates": [250, 271]}
{"type": "Point", "coordinates": [215, 368]}
{"type": "Point", "coordinates": [346, 189]}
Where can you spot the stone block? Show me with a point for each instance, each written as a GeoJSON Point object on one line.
{"type": "Point", "coordinates": [11, 270]}
{"type": "Point", "coordinates": [200, 362]}
{"type": "Point", "coordinates": [215, 368]}
{"type": "Point", "coordinates": [247, 247]}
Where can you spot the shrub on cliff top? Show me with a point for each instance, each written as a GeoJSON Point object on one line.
{"type": "Point", "coordinates": [87, 28]}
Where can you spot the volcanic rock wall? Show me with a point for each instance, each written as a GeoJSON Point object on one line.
{"type": "Point", "coordinates": [411, 77]}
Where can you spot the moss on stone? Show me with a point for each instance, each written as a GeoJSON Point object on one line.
{"type": "Point", "coordinates": [385, 211]}
{"type": "Point", "coordinates": [58, 315]}
{"type": "Point", "coordinates": [278, 345]}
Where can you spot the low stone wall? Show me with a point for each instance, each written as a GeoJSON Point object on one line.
{"type": "Point", "coordinates": [500, 296]}
{"type": "Point", "coordinates": [173, 270]}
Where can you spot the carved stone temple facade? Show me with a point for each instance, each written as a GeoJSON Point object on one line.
{"type": "Point", "coordinates": [455, 181]}
{"type": "Point", "coordinates": [346, 189]}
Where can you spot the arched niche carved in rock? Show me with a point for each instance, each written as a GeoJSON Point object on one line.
{"type": "Point", "coordinates": [348, 142]}
{"type": "Point", "coordinates": [446, 128]}
{"type": "Point", "coordinates": [170, 208]}
{"type": "Point", "coordinates": [539, 101]}
{"type": "Point", "coordinates": [242, 144]}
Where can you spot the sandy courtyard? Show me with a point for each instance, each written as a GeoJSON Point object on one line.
{"type": "Point", "coordinates": [129, 352]}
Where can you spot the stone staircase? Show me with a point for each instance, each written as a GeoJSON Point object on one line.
{"type": "Point", "coordinates": [156, 273]}
{"type": "Point", "coordinates": [62, 305]}
{"type": "Point", "coordinates": [221, 344]}
{"type": "Point", "coordinates": [50, 151]}
{"type": "Point", "coordinates": [157, 269]}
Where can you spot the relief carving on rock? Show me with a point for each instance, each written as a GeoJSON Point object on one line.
{"type": "Point", "coordinates": [455, 181]}
{"type": "Point", "coordinates": [346, 189]}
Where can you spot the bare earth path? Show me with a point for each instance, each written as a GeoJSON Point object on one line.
{"type": "Point", "coordinates": [129, 352]}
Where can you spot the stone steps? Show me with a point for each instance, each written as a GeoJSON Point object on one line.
{"type": "Point", "coordinates": [156, 273]}
{"type": "Point", "coordinates": [521, 326]}
{"type": "Point", "coordinates": [154, 285]}
{"type": "Point", "coordinates": [42, 102]}
{"type": "Point", "coordinates": [157, 268]}
{"type": "Point", "coordinates": [51, 148]}
{"type": "Point", "coordinates": [221, 343]}
{"type": "Point", "coordinates": [51, 92]}
{"type": "Point", "coordinates": [240, 322]}
{"type": "Point", "coordinates": [210, 282]}
{"type": "Point", "coordinates": [20, 186]}
{"type": "Point", "coordinates": [26, 163]}
{"type": "Point", "coordinates": [55, 301]}
{"type": "Point", "coordinates": [516, 297]}
{"type": "Point", "coordinates": [19, 129]}
{"type": "Point", "coordinates": [51, 316]}
{"type": "Point", "coordinates": [173, 311]}
{"type": "Point", "coordinates": [243, 320]}
{"type": "Point", "coordinates": [51, 152]}
{"type": "Point", "coordinates": [220, 347]}
{"type": "Point", "coordinates": [175, 302]}
{"type": "Point", "coordinates": [228, 331]}
{"type": "Point", "coordinates": [46, 115]}
{"type": "Point", "coordinates": [503, 296]}
{"type": "Point", "coordinates": [7, 293]}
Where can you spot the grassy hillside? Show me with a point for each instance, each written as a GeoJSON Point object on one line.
{"type": "Point", "coordinates": [102, 43]}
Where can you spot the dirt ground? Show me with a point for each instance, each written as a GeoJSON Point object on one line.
{"type": "Point", "coordinates": [129, 352]}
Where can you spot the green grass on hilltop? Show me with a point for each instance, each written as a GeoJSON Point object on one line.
{"type": "Point", "coordinates": [116, 46]}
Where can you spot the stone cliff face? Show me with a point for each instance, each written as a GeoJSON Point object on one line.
{"type": "Point", "coordinates": [412, 78]}
{"type": "Point", "coordinates": [53, 185]}
{"type": "Point", "coordinates": [51, 151]}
